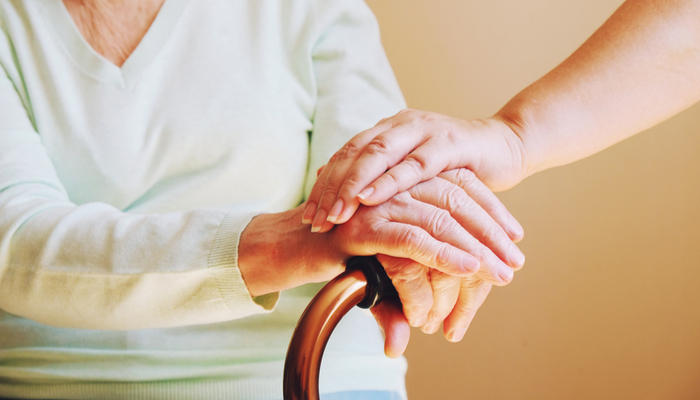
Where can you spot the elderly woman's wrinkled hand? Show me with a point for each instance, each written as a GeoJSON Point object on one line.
{"type": "Point", "coordinates": [434, 239]}
{"type": "Point", "coordinates": [429, 296]}
{"type": "Point", "coordinates": [451, 223]}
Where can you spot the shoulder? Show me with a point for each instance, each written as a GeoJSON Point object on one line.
{"type": "Point", "coordinates": [343, 12]}
{"type": "Point", "coordinates": [314, 18]}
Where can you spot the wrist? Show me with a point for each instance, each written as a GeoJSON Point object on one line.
{"type": "Point", "coordinates": [494, 151]}
{"type": "Point", "coordinates": [277, 252]}
{"type": "Point", "coordinates": [553, 129]}
{"type": "Point", "coordinates": [520, 126]}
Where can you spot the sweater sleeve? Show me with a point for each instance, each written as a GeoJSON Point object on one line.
{"type": "Point", "coordinates": [93, 266]}
{"type": "Point", "coordinates": [355, 84]}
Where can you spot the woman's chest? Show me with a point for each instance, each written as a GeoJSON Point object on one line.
{"type": "Point", "coordinates": [113, 28]}
{"type": "Point", "coordinates": [217, 113]}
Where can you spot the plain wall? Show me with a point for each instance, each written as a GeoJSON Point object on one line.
{"type": "Point", "coordinates": [608, 304]}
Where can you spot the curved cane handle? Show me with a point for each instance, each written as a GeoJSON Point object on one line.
{"type": "Point", "coordinates": [364, 283]}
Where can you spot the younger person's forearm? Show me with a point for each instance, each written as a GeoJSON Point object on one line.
{"type": "Point", "coordinates": [640, 68]}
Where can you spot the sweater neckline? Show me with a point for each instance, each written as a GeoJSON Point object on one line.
{"type": "Point", "coordinates": [93, 63]}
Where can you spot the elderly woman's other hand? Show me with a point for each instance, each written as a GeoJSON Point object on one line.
{"type": "Point", "coordinates": [408, 148]}
{"type": "Point", "coordinates": [457, 298]}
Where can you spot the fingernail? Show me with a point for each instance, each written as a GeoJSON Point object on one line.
{"type": "Point", "coordinates": [516, 230]}
{"type": "Point", "coordinates": [335, 211]}
{"type": "Point", "coordinates": [516, 258]}
{"type": "Point", "coordinates": [430, 329]}
{"type": "Point", "coordinates": [318, 221]}
{"type": "Point", "coordinates": [456, 335]}
{"type": "Point", "coordinates": [506, 274]}
{"type": "Point", "coordinates": [416, 322]}
{"type": "Point", "coordinates": [366, 193]}
{"type": "Point", "coordinates": [309, 212]}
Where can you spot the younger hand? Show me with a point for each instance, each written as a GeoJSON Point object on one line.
{"type": "Point", "coordinates": [408, 148]}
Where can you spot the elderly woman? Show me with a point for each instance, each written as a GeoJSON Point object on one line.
{"type": "Point", "coordinates": [140, 143]}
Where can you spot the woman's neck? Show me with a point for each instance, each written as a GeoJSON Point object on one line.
{"type": "Point", "coordinates": [113, 28]}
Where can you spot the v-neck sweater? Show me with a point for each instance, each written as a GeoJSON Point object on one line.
{"type": "Point", "coordinates": [124, 191]}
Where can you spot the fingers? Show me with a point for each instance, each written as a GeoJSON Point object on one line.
{"type": "Point", "coordinates": [392, 162]}
{"type": "Point", "coordinates": [471, 296]}
{"type": "Point", "coordinates": [446, 290]}
{"type": "Point", "coordinates": [419, 142]}
{"type": "Point", "coordinates": [391, 320]}
{"type": "Point", "coordinates": [315, 195]}
{"type": "Point", "coordinates": [449, 216]}
{"type": "Point", "coordinates": [409, 241]}
{"type": "Point", "coordinates": [412, 282]}
{"type": "Point", "coordinates": [450, 301]}
{"type": "Point", "coordinates": [489, 238]}
{"type": "Point", "coordinates": [324, 192]}
{"type": "Point", "coordinates": [486, 199]}
{"type": "Point", "coordinates": [456, 303]}
{"type": "Point", "coordinates": [425, 162]}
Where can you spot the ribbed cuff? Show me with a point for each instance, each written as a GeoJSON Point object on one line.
{"type": "Point", "coordinates": [224, 255]}
{"type": "Point", "coordinates": [209, 389]}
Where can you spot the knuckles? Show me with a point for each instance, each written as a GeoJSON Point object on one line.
{"type": "Point", "coordinates": [348, 187]}
{"type": "Point", "coordinates": [378, 146]}
{"type": "Point", "coordinates": [463, 314]}
{"type": "Point", "coordinates": [494, 234]}
{"type": "Point", "coordinates": [443, 255]}
{"type": "Point", "coordinates": [453, 197]}
{"type": "Point", "coordinates": [350, 150]}
{"type": "Point", "coordinates": [464, 177]}
{"type": "Point", "coordinates": [440, 223]}
{"type": "Point", "coordinates": [417, 163]}
{"type": "Point", "coordinates": [410, 240]}
{"type": "Point", "coordinates": [407, 272]}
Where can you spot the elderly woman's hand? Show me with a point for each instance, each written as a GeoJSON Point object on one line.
{"type": "Point", "coordinates": [439, 231]}
{"type": "Point", "coordinates": [455, 300]}
{"type": "Point", "coordinates": [444, 219]}
{"type": "Point", "coordinates": [408, 148]}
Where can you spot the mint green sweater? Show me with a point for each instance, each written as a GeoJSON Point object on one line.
{"type": "Point", "coordinates": [123, 192]}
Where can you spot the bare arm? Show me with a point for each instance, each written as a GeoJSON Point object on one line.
{"type": "Point", "coordinates": [640, 68]}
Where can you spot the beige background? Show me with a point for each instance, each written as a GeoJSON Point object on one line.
{"type": "Point", "coordinates": [608, 305]}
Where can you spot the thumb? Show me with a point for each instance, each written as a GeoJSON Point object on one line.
{"type": "Point", "coordinates": [397, 332]}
